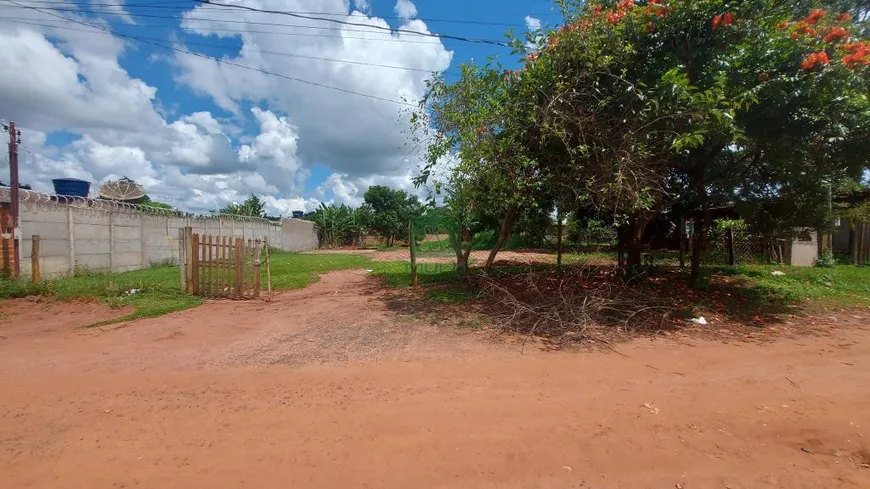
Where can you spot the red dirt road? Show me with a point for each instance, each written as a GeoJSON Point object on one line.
{"type": "Point", "coordinates": [329, 388]}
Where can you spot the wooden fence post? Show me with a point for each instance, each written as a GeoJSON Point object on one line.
{"type": "Point", "coordinates": [257, 245]}
{"type": "Point", "coordinates": [412, 248]}
{"type": "Point", "coordinates": [863, 243]}
{"type": "Point", "coordinates": [188, 259]}
{"type": "Point", "coordinates": [182, 261]}
{"type": "Point", "coordinates": [240, 244]}
{"type": "Point", "coordinates": [209, 285]}
{"type": "Point", "coordinates": [195, 248]}
{"type": "Point", "coordinates": [268, 270]}
{"type": "Point", "coordinates": [34, 257]}
{"type": "Point", "coordinates": [730, 236]}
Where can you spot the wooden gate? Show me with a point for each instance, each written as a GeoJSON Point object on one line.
{"type": "Point", "coordinates": [221, 266]}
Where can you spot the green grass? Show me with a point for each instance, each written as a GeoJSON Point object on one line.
{"type": "Point", "coordinates": [157, 290]}
{"type": "Point", "coordinates": [449, 295]}
{"type": "Point", "coordinates": [839, 286]}
{"type": "Point", "coordinates": [296, 270]}
{"type": "Point", "coordinates": [398, 273]}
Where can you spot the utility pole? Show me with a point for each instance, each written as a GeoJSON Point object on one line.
{"type": "Point", "coordinates": [14, 139]}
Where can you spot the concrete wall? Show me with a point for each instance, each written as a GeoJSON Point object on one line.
{"type": "Point", "coordinates": [122, 240]}
{"type": "Point", "coordinates": [804, 252]}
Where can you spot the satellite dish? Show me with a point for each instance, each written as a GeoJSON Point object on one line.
{"type": "Point", "coordinates": [123, 190]}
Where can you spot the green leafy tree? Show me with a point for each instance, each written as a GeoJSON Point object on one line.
{"type": "Point", "coordinates": [251, 207]}
{"type": "Point", "coordinates": [641, 107]}
{"type": "Point", "coordinates": [479, 122]}
{"type": "Point", "coordinates": [147, 202]}
{"type": "Point", "coordinates": [391, 211]}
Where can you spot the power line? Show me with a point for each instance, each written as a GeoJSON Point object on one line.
{"type": "Point", "coordinates": [276, 53]}
{"type": "Point", "coordinates": [273, 24]}
{"type": "Point", "coordinates": [185, 5]}
{"type": "Point", "coordinates": [246, 31]}
{"type": "Point", "coordinates": [222, 61]}
{"type": "Point", "coordinates": [343, 22]}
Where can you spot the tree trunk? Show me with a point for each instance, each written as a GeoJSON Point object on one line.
{"type": "Point", "coordinates": [631, 242]}
{"type": "Point", "coordinates": [558, 238]}
{"type": "Point", "coordinates": [503, 233]}
{"type": "Point", "coordinates": [702, 222]}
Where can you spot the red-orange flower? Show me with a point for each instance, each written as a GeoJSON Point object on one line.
{"type": "Point", "coordinates": [596, 10]}
{"type": "Point", "coordinates": [803, 28]}
{"type": "Point", "coordinates": [844, 17]}
{"type": "Point", "coordinates": [836, 34]}
{"type": "Point", "coordinates": [553, 42]}
{"type": "Point", "coordinates": [533, 56]}
{"type": "Point", "coordinates": [614, 17]}
{"type": "Point", "coordinates": [649, 27]}
{"type": "Point", "coordinates": [782, 25]}
{"type": "Point", "coordinates": [717, 19]}
{"type": "Point", "coordinates": [822, 57]}
{"type": "Point", "coordinates": [815, 58]}
{"type": "Point", "coordinates": [727, 19]}
{"type": "Point", "coordinates": [815, 16]}
{"type": "Point", "coordinates": [859, 54]}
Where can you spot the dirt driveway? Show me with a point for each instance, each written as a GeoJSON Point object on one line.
{"type": "Point", "coordinates": [330, 387]}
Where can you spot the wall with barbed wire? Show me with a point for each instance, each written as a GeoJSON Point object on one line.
{"type": "Point", "coordinates": [108, 236]}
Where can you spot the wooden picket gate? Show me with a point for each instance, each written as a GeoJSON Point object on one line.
{"type": "Point", "coordinates": [221, 266]}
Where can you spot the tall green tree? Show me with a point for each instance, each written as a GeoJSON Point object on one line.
{"type": "Point", "coordinates": [391, 211]}
{"type": "Point", "coordinates": [251, 207]}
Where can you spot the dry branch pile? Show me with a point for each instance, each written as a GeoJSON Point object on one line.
{"type": "Point", "coordinates": [582, 303]}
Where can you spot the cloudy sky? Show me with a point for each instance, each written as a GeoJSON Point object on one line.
{"type": "Point", "coordinates": [204, 105]}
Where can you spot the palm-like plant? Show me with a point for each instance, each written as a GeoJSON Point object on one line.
{"type": "Point", "coordinates": [339, 225]}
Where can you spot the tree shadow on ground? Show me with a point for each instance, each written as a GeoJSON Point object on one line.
{"type": "Point", "coordinates": [574, 299]}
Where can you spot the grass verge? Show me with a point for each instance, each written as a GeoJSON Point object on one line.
{"type": "Point", "coordinates": [155, 291]}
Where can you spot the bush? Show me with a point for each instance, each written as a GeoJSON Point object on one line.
{"type": "Point", "coordinates": [825, 260]}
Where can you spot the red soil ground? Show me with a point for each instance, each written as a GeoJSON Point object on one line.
{"type": "Point", "coordinates": [339, 386]}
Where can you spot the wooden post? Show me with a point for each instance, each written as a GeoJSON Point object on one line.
{"type": "Point", "coordinates": [188, 259]}
{"type": "Point", "coordinates": [862, 242]}
{"type": "Point", "coordinates": [210, 284]}
{"type": "Point", "coordinates": [412, 247]}
{"type": "Point", "coordinates": [730, 237]}
{"type": "Point", "coordinates": [224, 270]}
{"type": "Point", "coordinates": [682, 241]}
{"type": "Point", "coordinates": [248, 248]}
{"type": "Point", "coordinates": [195, 262]}
{"type": "Point", "coordinates": [70, 222]}
{"type": "Point", "coordinates": [258, 245]}
{"type": "Point", "coordinates": [855, 241]}
{"type": "Point", "coordinates": [111, 242]}
{"type": "Point", "coordinates": [34, 257]}
{"type": "Point", "coordinates": [240, 243]}
{"type": "Point", "coordinates": [182, 262]}
{"type": "Point", "coordinates": [268, 270]}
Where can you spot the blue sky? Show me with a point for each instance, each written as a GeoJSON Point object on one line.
{"type": "Point", "coordinates": [198, 133]}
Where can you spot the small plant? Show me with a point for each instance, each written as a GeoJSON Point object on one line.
{"type": "Point", "coordinates": [825, 260]}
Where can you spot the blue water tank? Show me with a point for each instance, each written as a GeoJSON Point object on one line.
{"type": "Point", "coordinates": [298, 214]}
{"type": "Point", "coordinates": [71, 186]}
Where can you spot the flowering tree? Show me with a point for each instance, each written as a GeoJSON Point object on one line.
{"type": "Point", "coordinates": [632, 108]}
{"type": "Point", "coordinates": [644, 106]}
